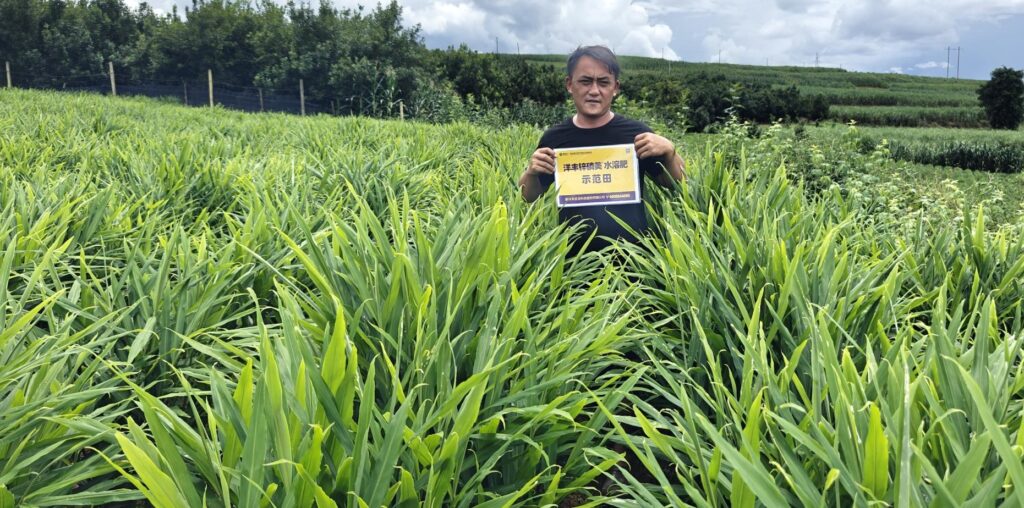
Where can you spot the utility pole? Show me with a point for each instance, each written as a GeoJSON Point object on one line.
{"type": "Point", "coordinates": [495, 45]}
{"type": "Point", "coordinates": [815, 59]}
{"type": "Point", "coordinates": [947, 61]}
{"type": "Point", "coordinates": [958, 62]}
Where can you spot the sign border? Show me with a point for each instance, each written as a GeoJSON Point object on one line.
{"type": "Point", "coordinates": [636, 177]}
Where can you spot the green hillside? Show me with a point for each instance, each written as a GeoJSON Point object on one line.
{"type": "Point", "coordinates": [868, 98]}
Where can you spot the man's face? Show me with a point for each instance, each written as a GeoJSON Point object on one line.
{"type": "Point", "coordinates": [592, 87]}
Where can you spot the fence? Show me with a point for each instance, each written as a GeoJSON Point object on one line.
{"type": "Point", "coordinates": [188, 92]}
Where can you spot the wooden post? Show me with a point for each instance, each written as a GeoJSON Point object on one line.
{"type": "Point", "coordinates": [184, 85]}
{"type": "Point", "coordinates": [302, 98]}
{"type": "Point", "coordinates": [209, 79]}
{"type": "Point", "coordinates": [113, 83]}
{"type": "Point", "coordinates": [7, 64]}
{"type": "Point", "coordinates": [401, 110]}
{"type": "Point", "coordinates": [260, 90]}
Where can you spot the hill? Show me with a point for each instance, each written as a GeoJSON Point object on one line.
{"type": "Point", "coordinates": [868, 98]}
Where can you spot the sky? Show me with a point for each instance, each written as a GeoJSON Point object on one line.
{"type": "Point", "coordinates": [902, 36]}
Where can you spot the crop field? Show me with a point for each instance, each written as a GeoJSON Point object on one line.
{"type": "Point", "coordinates": [985, 150]}
{"type": "Point", "coordinates": [911, 116]}
{"type": "Point", "coordinates": [201, 307]}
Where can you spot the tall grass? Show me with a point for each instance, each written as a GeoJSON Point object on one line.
{"type": "Point", "coordinates": [912, 116]}
{"type": "Point", "coordinates": [213, 308]}
{"type": "Point", "coordinates": [985, 150]}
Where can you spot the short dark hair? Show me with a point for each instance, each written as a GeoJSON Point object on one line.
{"type": "Point", "coordinates": [600, 53]}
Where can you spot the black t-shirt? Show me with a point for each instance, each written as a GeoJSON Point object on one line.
{"type": "Point", "coordinates": [618, 131]}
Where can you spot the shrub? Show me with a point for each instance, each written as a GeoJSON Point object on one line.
{"type": "Point", "coordinates": [1003, 98]}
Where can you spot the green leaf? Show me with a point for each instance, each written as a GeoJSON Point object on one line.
{"type": "Point", "coordinates": [876, 455]}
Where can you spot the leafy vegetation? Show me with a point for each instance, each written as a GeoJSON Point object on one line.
{"type": "Point", "coordinates": [986, 150]}
{"type": "Point", "coordinates": [911, 116]}
{"type": "Point", "coordinates": [201, 306]}
{"type": "Point", "coordinates": [1003, 98]}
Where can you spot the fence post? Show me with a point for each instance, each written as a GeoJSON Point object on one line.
{"type": "Point", "coordinates": [7, 64]}
{"type": "Point", "coordinates": [260, 90]}
{"type": "Point", "coordinates": [209, 79]}
{"type": "Point", "coordinates": [184, 84]}
{"type": "Point", "coordinates": [113, 82]}
{"type": "Point", "coordinates": [401, 110]}
{"type": "Point", "coordinates": [302, 98]}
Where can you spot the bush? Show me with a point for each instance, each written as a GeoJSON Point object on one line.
{"type": "Point", "coordinates": [1003, 98]}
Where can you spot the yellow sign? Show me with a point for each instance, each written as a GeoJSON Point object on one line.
{"type": "Point", "coordinates": [597, 175]}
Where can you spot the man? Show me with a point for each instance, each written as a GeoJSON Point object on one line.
{"type": "Point", "coordinates": [592, 79]}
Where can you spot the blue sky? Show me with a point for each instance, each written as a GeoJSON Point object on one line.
{"type": "Point", "coordinates": [906, 36]}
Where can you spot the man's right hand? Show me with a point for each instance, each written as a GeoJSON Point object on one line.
{"type": "Point", "coordinates": [542, 162]}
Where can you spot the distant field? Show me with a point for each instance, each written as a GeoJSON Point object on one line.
{"type": "Point", "coordinates": [911, 116]}
{"type": "Point", "coordinates": [981, 149]}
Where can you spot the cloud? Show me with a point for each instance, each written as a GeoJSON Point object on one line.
{"type": "Point", "coordinates": [896, 70]}
{"type": "Point", "coordinates": [541, 26]}
{"type": "Point", "coordinates": [858, 35]}
{"type": "Point", "coordinates": [931, 65]}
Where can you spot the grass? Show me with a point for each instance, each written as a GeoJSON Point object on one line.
{"type": "Point", "coordinates": [209, 307]}
{"type": "Point", "coordinates": [987, 150]}
{"type": "Point", "coordinates": [911, 116]}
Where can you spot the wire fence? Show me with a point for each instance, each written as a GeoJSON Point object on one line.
{"type": "Point", "coordinates": [186, 92]}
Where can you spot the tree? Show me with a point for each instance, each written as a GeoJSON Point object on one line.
{"type": "Point", "coordinates": [1003, 98]}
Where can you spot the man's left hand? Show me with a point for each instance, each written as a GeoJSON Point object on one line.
{"type": "Point", "coordinates": [649, 144]}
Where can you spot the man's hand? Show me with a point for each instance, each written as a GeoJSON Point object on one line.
{"type": "Point", "coordinates": [541, 163]}
{"type": "Point", "coordinates": [649, 144]}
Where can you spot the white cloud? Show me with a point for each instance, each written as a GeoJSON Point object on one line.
{"type": "Point", "coordinates": [444, 17]}
{"type": "Point", "coordinates": [858, 35]}
{"type": "Point", "coordinates": [896, 70]}
{"type": "Point", "coordinates": [541, 26]}
{"type": "Point", "coordinates": [932, 64]}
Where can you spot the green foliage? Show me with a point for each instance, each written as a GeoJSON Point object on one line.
{"type": "Point", "coordinates": [499, 80]}
{"type": "Point", "coordinates": [703, 100]}
{"type": "Point", "coordinates": [289, 311]}
{"type": "Point", "coordinates": [1003, 98]}
{"type": "Point", "coordinates": [985, 150]}
{"type": "Point", "coordinates": [910, 116]}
